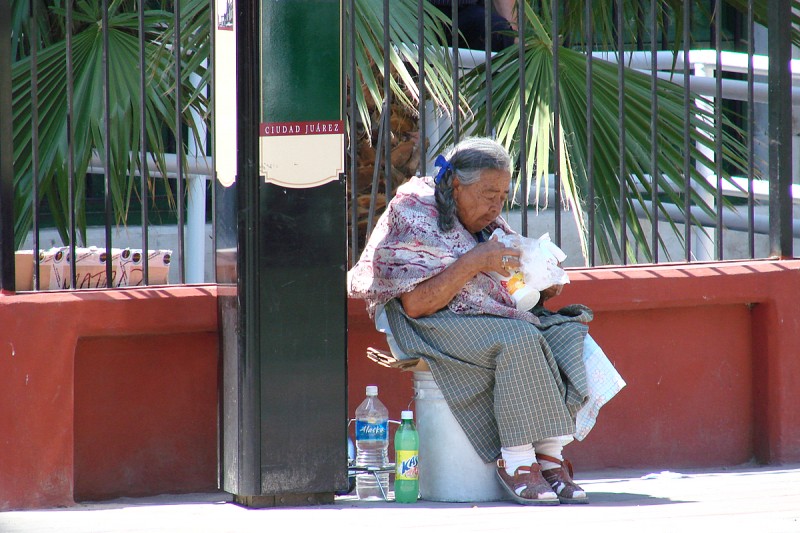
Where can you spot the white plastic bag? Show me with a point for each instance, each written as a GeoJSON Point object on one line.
{"type": "Point", "coordinates": [524, 296]}
{"type": "Point", "coordinates": [539, 266]}
{"type": "Point", "coordinates": [540, 263]}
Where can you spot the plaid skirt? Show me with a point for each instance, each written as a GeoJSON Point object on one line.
{"type": "Point", "coordinates": [506, 381]}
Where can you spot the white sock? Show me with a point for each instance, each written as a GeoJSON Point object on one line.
{"type": "Point", "coordinates": [552, 446]}
{"type": "Point", "coordinates": [516, 456]}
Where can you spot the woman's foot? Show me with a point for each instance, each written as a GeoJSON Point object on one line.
{"type": "Point", "coordinates": [526, 485]}
{"type": "Point", "coordinates": [560, 479]}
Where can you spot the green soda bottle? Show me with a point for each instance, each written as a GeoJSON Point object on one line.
{"type": "Point", "coordinates": [406, 453]}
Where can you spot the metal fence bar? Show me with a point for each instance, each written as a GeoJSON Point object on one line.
{"type": "Point", "coordinates": [383, 125]}
{"type": "Point", "coordinates": [70, 152]}
{"type": "Point", "coordinates": [6, 155]}
{"type": "Point", "coordinates": [780, 128]}
{"type": "Point", "coordinates": [179, 141]}
{"type": "Point", "coordinates": [654, 127]}
{"type": "Point", "coordinates": [487, 29]}
{"type": "Point", "coordinates": [423, 156]}
{"type": "Point", "coordinates": [523, 121]}
{"type": "Point", "coordinates": [107, 144]}
{"type": "Point", "coordinates": [35, 165]}
{"type": "Point", "coordinates": [751, 241]}
{"type": "Point", "coordinates": [590, 130]}
{"type": "Point", "coordinates": [456, 118]}
{"type": "Point", "coordinates": [718, 125]}
{"type": "Point", "coordinates": [623, 230]}
{"type": "Point", "coordinates": [143, 170]}
{"type": "Point", "coordinates": [387, 104]}
{"type": "Point", "coordinates": [354, 86]}
{"type": "Point", "coordinates": [639, 25]}
{"type": "Point", "coordinates": [556, 126]}
{"type": "Point", "coordinates": [687, 145]}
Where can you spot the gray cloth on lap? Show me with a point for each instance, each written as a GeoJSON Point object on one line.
{"type": "Point", "coordinates": [506, 381]}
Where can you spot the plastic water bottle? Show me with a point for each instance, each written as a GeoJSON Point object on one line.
{"type": "Point", "coordinates": [406, 453]}
{"type": "Point", "coordinates": [372, 445]}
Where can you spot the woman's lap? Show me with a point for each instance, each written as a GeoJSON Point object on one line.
{"type": "Point", "coordinates": [500, 376]}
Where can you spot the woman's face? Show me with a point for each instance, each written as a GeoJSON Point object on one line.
{"type": "Point", "coordinates": [478, 204]}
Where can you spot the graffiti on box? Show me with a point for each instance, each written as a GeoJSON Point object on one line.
{"type": "Point", "coordinates": [127, 268]}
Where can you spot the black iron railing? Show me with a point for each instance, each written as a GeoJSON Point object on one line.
{"type": "Point", "coordinates": [733, 185]}
{"type": "Point", "coordinates": [143, 172]}
{"type": "Point", "coordinates": [681, 196]}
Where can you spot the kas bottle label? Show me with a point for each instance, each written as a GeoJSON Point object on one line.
{"type": "Point", "coordinates": [407, 465]}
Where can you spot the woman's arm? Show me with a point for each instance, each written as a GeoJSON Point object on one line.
{"type": "Point", "coordinates": [506, 9]}
{"type": "Point", "coordinates": [435, 293]}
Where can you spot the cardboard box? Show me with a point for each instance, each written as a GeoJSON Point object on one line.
{"type": "Point", "coordinates": [23, 270]}
{"type": "Point", "coordinates": [90, 265]}
{"type": "Point", "coordinates": [132, 267]}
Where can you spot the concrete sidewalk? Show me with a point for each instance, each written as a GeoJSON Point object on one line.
{"type": "Point", "coordinates": [746, 498]}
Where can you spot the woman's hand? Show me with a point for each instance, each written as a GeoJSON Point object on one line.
{"type": "Point", "coordinates": [436, 292]}
{"type": "Point", "coordinates": [494, 256]}
{"type": "Point", "coordinates": [550, 292]}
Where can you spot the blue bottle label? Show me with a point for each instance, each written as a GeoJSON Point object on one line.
{"type": "Point", "coordinates": [368, 431]}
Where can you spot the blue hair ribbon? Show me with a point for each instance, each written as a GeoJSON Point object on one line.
{"type": "Point", "coordinates": [444, 165]}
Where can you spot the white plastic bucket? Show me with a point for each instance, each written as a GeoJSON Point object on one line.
{"type": "Point", "coordinates": [449, 468]}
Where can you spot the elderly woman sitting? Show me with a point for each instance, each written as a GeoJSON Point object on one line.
{"type": "Point", "coordinates": [516, 380]}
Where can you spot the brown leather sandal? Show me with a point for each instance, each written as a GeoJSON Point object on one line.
{"type": "Point", "coordinates": [534, 489]}
{"type": "Point", "coordinates": [560, 479]}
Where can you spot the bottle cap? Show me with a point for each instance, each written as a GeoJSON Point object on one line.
{"type": "Point", "coordinates": [407, 415]}
{"type": "Point", "coordinates": [372, 390]}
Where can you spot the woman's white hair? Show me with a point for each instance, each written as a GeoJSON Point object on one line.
{"type": "Point", "coordinates": [468, 159]}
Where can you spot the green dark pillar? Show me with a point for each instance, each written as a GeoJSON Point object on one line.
{"type": "Point", "coordinates": [283, 312]}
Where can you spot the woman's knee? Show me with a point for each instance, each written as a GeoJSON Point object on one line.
{"type": "Point", "coordinates": [523, 337]}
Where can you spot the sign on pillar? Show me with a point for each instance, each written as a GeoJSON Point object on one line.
{"type": "Point", "coordinates": [302, 154]}
{"type": "Point", "coordinates": [225, 93]}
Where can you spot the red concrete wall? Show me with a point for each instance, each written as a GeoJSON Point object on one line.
{"type": "Point", "coordinates": [104, 393]}
{"type": "Point", "coordinates": [145, 415]}
{"type": "Point", "coordinates": [709, 353]}
{"type": "Point", "coordinates": [109, 393]}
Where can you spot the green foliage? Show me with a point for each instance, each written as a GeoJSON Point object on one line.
{"type": "Point", "coordinates": [89, 114]}
{"type": "Point", "coordinates": [573, 105]}
{"type": "Point", "coordinates": [88, 122]}
{"type": "Point", "coordinates": [403, 56]}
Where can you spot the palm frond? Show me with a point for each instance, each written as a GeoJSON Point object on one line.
{"type": "Point", "coordinates": [88, 122]}
{"type": "Point", "coordinates": [573, 142]}
{"type": "Point", "coordinates": [403, 56]}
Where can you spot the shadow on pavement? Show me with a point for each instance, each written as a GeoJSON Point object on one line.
{"type": "Point", "coordinates": [596, 499]}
